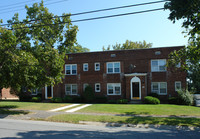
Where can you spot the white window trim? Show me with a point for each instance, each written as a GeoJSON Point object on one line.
{"type": "Point", "coordinates": [70, 69]}
{"type": "Point", "coordinates": [114, 84]}
{"type": "Point", "coordinates": [158, 65]}
{"type": "Point", "coordinates": [96, 87]}
{"type": "Point", "coordinates": [71, 90]}
{"type": "Point", "coordinates": [175, 85]}
{"type": "Point", "coordinates": [85, 64]}
{"type": "Point", "coordinates": [95, 67]}
{"type": "Point", "coordinates": [113, 67]}
{"type": "Point", "coordinates": [159, 88]}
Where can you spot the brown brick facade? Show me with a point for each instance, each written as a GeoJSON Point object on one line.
{"type": "Point", "coordinates": [6, 95]}
{"type": "Point", "coordinates": [133, 63]}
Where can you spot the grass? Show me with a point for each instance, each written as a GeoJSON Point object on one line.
{"type": "Point", "coordinates": [31, 105]}
{"type": "Point", "coordinates": [75, 118]}
{"type": "Point", "coordinates": [143, 109]}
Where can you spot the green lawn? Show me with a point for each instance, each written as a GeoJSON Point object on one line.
{"type": "Point", "coordinates": [143, 109]}
{"type": "Point", "coordinates": [31, 105]}
{"type": "Point", "coordinates": [75, 118]}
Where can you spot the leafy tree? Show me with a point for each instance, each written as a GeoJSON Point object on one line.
{"type": "Point", "coordinates": [32, 53]}
{"type": "Point", "coordinates": [189, 11]}
{"type": "Point", "coordinates": [129, 45]}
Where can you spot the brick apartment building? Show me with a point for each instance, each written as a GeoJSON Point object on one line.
{"type": "Point", "coordinates": [130, 74]}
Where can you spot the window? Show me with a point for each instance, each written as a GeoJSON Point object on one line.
{"type": "Point", "coordinates": [71, 89]}
{"type": "Point", "coordinates": [113, 67]}
{"type": "Point", "coordinates": [84, 86]}
{"type": "Point", "coordinates": [71, 69]}
{"type": "Point", "coordinates": [158, 65]}
{"type": "Point", "coordinates": [159, 88]}
{"type": "Point", "coordinates": [97, 87]}
{"type": "Point", "coordinates": [34, 91]}
{"type": "Point", "coordinates": [85, 67]}
{"type": "Point", "coordinates": [114, 89]}
{"type": "Point", "coordinates": [97, 66]}
{"type": "Point", "coordinates": [177, 85]}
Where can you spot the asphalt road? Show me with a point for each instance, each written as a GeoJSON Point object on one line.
{"type": "Point", "coordinates": [40, 129]}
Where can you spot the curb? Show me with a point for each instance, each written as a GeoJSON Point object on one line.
{"type": "Point", "coordinates": [190, 128]}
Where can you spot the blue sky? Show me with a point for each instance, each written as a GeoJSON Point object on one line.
{"type": "Point", "coordinates": [154, 27]}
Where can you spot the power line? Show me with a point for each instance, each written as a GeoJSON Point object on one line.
{"type": "Point", "coordinates": [14, 6]}
{"type": "Point", "coordinates": [17, 3]}
{"type": "Point", "coordinates": [24, 8]}
{"type": "Point", "coordinates": [95, 18]}
{"type": "Point", "coordinates": [94, 11]}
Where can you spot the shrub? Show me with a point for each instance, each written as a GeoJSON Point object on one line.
{"type": "Point", "coordinates": [154, 95]}
{"type": "Point", "coordinates": [173, 100]}
{"type": "Point", "coordinates": [122, 101]}
{"type": "Point", "coordinates": [56, 100]}
{"type": "Point", "coordinates": [88, 94]}
{"type": "Point", "coordinates": [112, 101]}
{"type": "Point", "coordinates": [36, 99]}
{"type": "Point", "coordinates": [24, 96]}
{"type": "Point", "coordinates": [101, 99]}
{"type": "Point", "coordinates": [185, 97]}
{"type": "Point", "coordinates": [151, 100]}
{"type": "Point", "coordinates": [67, 99]}
{"type": "Point", "coordinates": [76, 99]}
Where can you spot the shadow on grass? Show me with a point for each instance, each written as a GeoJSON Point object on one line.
{"type": "Point", "coordinates": [6, 110]}
{"type": "Point", "coordinates": [164, 121]}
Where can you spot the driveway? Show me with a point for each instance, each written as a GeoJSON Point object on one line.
{"type": "Point", "coordinates": [10, 128]}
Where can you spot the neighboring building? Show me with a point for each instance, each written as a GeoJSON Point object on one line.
{"type": "Point", "coordinates": [6, 95]}
{"type": "Point", "coordinates": [130, 74]}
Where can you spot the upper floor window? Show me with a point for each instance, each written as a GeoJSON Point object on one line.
{"type": "Point", "coordinates": [71, 69]}
{"type": "Point", "coordinates": [113, 67]}
{"type": "Point", "coordinates": [71, 89]}
{"type": "Point", "coordinates": [114, 89]}
{"type": "Point", "coordinates": [97, 66]}
{"type": "Point", "coordinates": [159, 88]}
{"type": "Point", "coordinates": [177, 85]}
{"type": "Point", "coordinates": [158, 65]}
{"type": "Point", "coordinates": [85, 67]}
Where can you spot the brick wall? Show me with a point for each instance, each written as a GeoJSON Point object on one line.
{"type": "Point", "coordinates": [7, 95]}
{"type": "Point", "coordinates": [131, 61]}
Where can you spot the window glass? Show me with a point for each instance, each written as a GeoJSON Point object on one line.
{"type": "Point", "coordinates": [110, 89]}
{"type": "Point", "coordinates": [177, 86]}
{"type": "Point", "coordinates": [113, 67]}
{"type": "Point", "coordinates": [117, 89]}
{"type": "Point", "coordinates": [85, 67]}
{"type": "Point", "coordinates": [73, 69]}
{"type": "Point", "coordinates": [74, 89]}
{"type": "Point", "coordinates": [158, 65]}
{"type": "Point", "coordinates": [97, 87]}
{"type": "Point", "coordinates": [97, 66]}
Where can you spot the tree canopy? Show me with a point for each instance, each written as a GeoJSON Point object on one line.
{"type": "Point", "coordinates": [189, 11]}
{"type": "Point", "coordinates": [129, 45]}
{"type": "Point", "coordinates": [32, 51]}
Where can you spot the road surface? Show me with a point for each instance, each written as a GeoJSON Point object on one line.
{"type": "Point", "coordinates": [10, 128]}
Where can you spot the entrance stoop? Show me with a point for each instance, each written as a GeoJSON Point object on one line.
{"type": "Point", "coordinates": [136, 102]}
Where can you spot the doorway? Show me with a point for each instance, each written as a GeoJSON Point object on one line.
{"type": "Point", "coordinates": [48, 92]}
{"type": "Point", "coordinates": [135, 88]}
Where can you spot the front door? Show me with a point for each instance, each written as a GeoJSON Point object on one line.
{"type": "Point", "coordinates": [135, 90]}
{"type": "Point", "coordinates": [48, 92]}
